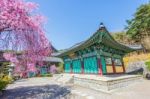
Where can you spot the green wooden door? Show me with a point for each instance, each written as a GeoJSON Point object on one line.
{"type": "Point", "coordinates": [76, 65]}
{"type": "Point", "coordinates": [90, 65]}
{"type": "Point", "coordinates": [67, 67]}
{"type": "Point", "coordinates": [43, 70]}
{"type": "Point", "coordinates": [103, 64]}
{"type": "Point", "coordinates": [85, 65]}
{"type": "Point", "coordinates": [31, 74]}
{"type": "Point", "coordinates": [94, 65]}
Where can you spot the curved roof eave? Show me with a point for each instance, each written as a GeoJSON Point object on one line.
{"type": "Point", "coordinates": [110, 41]}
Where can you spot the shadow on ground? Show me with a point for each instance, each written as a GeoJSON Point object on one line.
{"type": "Point", "coordinates": [36, 92]}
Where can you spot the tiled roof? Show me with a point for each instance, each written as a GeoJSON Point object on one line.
{"type": "Point", "coordinates": [106, 38]}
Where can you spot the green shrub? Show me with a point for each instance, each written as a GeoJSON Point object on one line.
{"type": "Point", "coordinates": [4, 81]}
{"type": "Point", "coordinates": [46, 75]}
{"type": "Point", "coordinates": [7, 79]}
{"type": "Point", "coordinates": [4, 68]}
{"type": "Point", "coordinates": [148, 65]}
{"type": "Point", "coordinates": [1, 75]}
{"type": "Point", "coordinates": [3, 84]}
{"type": "Point", "coordinates": [60, 68]}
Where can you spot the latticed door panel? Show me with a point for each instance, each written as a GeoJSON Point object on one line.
{"type": "Point", "coordinates": [85, 66]}
{"type": "Point", "coordinates": [103, 64]}
{"type": "Point", "coordinates": [31, 74]}
{"type": "Point", "coordinates": [90, 65]}
{"type": "Point", "coordinates": [76, 66]}
{"type": "Point", "coordinates": [43, 70]}
{"type": "Point", "coordinates": [79, 66]}
{"type": "Point", "coordinates": [95, 65]}
{"type": "Point", "coordinates": [67, 67]}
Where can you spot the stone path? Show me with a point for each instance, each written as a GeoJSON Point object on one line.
{"type": "Point", "coordinates": [48, 88]}
{"type": "Point", "coordinates": [35, 88]}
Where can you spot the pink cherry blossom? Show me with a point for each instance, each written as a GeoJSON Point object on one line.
{"type": "Point", "coordinates": [21, 30]}
{"type": "Point", "coordinates": [53, 69]}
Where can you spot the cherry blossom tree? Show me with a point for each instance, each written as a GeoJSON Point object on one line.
{"type": "Point", "coordinates": [21, 30]}
{"type": "Point", "coordinates": [53, 69]}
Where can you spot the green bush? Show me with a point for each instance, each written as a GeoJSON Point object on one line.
{"type": "Point", "coordinates": [148, 65]}
{"type": "Point", "coordinates": [7, 79]}
{"type": "Point", "coordinates": [3, 84]}
{"type": "Point", "coordinates": [46, 75]}
{"type": "Point", "coordinates": [1, 75]}
{"type": "Point", "coordinates": [60, 68]}
{"type": "Point", "coordinates": [4, 81]}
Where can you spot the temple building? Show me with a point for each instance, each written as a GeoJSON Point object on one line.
{"type": "Point", "coordinates": [100, 54]}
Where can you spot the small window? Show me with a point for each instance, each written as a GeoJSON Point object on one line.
{"type": "Point", "coordinates": [108, 60]}
{"type": "Point", "coordinates": [117, 62]}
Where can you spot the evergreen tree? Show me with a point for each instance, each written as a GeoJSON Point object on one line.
{"type": "Point", "coordinates": [138, 28]}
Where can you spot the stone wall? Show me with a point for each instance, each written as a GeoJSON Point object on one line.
{"type": "Point", "coordinates": [135, 66]}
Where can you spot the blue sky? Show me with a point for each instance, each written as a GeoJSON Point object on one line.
{"type": "Point", "coordinates": [72, 21]}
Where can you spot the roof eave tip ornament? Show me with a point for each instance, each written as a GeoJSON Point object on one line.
{"type": "Point", "coordinates": [102, 27]}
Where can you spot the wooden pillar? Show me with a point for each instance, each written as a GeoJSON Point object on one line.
{"type": "Point", "coordinates": [71, 68]}
{"type": "Point", "coordinates": [82, 66]}
{"type": "Point", "coordinates": [113, 65]}
{"type": "Point", "coordinates": [64, 67]}
{"type": "Point", "coordinates": [123, 66]}
{"type": "Point", "coordinates": [100, 72]}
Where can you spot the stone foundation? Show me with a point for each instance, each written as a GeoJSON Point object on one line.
{"type": "Point", "coordinates": [106, 84]}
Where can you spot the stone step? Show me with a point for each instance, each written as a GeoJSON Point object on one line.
{"type": "Point", "coordinates": [64, 78]}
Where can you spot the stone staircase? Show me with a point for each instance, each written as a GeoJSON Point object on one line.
{"type": "Point", "coordinates": [64, 78]}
